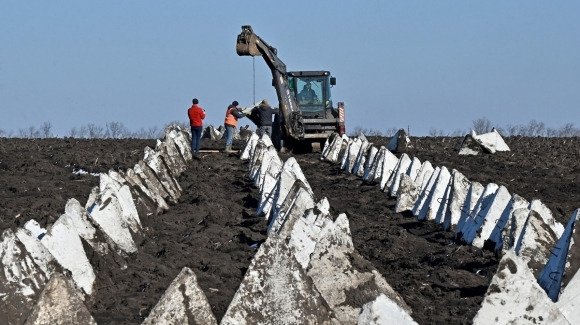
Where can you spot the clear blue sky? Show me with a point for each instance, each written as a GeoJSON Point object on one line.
{"type": "Point", "coordinates": [407, 64]}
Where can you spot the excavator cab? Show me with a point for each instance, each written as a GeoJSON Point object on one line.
{"type": "Point", "coordinates": [312, 92]}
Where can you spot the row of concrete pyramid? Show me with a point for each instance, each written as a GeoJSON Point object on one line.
{"type": "Point", "coordinates": [33, 255]}
{"type": "Point", "coordinates": [299, 275]}
{"type": "Point", "coordinates": [525, 233]}
{"type": "Point", "coordinates": [304, 272]}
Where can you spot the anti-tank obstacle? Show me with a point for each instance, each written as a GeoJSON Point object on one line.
{"type": "Point", "coordinates": [525, 233]}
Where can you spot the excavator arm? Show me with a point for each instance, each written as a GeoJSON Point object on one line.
{"type": "Point", "coordinates": [290, 117]}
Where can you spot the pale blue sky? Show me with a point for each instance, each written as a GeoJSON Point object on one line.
{"type": "Point", "coordinates": [420, 65]}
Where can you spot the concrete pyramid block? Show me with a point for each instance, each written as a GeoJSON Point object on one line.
{"type": "Point", "coordinates": [384, 311]}
{"type": "Point", "coordinates": [573, 264]}
{"type": "Point", "coordinates": [154, 160]}
{"type": "Point", "coordinates": [517, 223]}
{"type": "Point", "coordinates": [115, 176]}
{"type": "Point", "coordinates": [469, 146]}
{"type": "Point", "coordinates": [424, 175]}
{"type": "Point", "coordinates": [569, 299]}
{"type": "Point", "coordinates": [26, 268]}
{"type": "Point", "coordinates": [425, 192]}
{"type": "Point", "coordinates": [392, 186]}
{"type": "Point", "coordinates": [535, 242]}
{"type": "Point", "coordinates": [333, 146]}
{"type": "Point", "coordinates": [64, 243]}
{"type": "Point", "coordinates": [125, 199]}
{"type": "Point", "coordinates": [475, 218]}
{"type": "Point", "coordinates": [501, 231]}
{"type": "Point", "coordinates": [80, 220]}
{"type": "Point", "coordinates": [334, 274]}
{"type": "Point", "coordinates": [468, 207]}
{"type": "Point", "coordinates": [514, 297]}
{"type": "Point", "coordinates": [150, 180]}
{"type": "Point", "coordinates": [285, 180]}
{"type": "Point", "coordinates": [267, 186]}
{"type": "Point", "coordinates": [276, 290]}
{"type": "Point", "coordinates": [176, 163]}
{"type": "Point", "coordinates": [386, 169]}
{"type": "Point", "coordinates": [361, 157]}
{"type": "Point", "coordinates": [490, 142]}
{"type": "Point", "coordinates": [60, 303]}
{"type": "Point", "coordinates": [142, 203]}
{"type": "Point", "coordinates": [35, 229]}
{"type": "Point", "coordinates": [106, 211]}
{"type": "Point", "coordinates": [414, 168]}
{"type": "Point", "coordinates": [376, 166]}
{"type": "Point", "coordinates": [434, 197]}
{"type": "Point", "coordinates": [182, 303]}
{"type": "Point", "coordinates": [408, 194]}
{"type": "Point", "coordinates": [92, 233]}
{"type": "Point", "coordinates": [277, 183]}
{"type": "Point", "coordinates": [547, 216]}
{"type": "Point", "coordinates": [181, 140]}
{"type": "Point", "coordinates": [306, 230]}
{"type": "Point", "coordinates": [152, 201]}
{"type": "Point", "coordinates": [210, 132]}
{"type": "Point", "coordinates": [444, 201]}
{"type": "Point", "coordinates": [350, 154]}
{"type": "Point", "coordinates": [370, 163]}
{"type": "Point", "coordinates": [459, 187]}
{"type": "Point", "coordinates": [552, 276]}
{"type": "Point", "coordinates": [400, 142]}
{"type": "Point", "coordinates": [296, 201]}
{"type": "Point", "coordinates": [487, 218]}
{"type": "Point", "coordinates": [345, 153]}
{"type": "Point", "coordinates": [256, 160]}
{"type": "Point", "coordinates": [271, 163]}
{"type": "Point", "coordinates": [249, 147]}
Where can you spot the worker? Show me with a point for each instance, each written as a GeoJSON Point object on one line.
{"type": "Point", "coordinates": [233, 113]}
{"type": "Point", "coordinates": [307, 95]}
{"type": "Point", "coordinates": [196, 115]}
{"type": "Point", "coordinates": [265, 113]}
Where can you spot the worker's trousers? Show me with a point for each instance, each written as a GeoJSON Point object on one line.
{"type": "Point", "coordinates": [195, 138]}
{"type": "Point", "coordinates": [229, 134]}
{"type": "Point", "coordinates": [265, 130]}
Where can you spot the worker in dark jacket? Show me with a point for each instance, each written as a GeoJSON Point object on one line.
{"type": "Point", "coordinates": [196, 115]}
{"type": "Point", "coordinates": [265, 113]}
{"type": "Point", "coordinates": [233, 113]}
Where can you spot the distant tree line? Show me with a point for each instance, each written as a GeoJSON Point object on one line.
{"type": "Point", "coordinates": [117, 130]}
{"type": "Point", "coordinates": [484, 125]}
{"type": "Point", "coordinates": [532, 129]}
{"type": "Point", "coordinates": [111, 130]}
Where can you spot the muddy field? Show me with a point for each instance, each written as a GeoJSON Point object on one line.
{"type": "Point", "coordinates": [213, 230]}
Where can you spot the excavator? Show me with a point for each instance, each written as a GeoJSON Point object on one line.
{"type": "Point", "coordinates": [306, 115]}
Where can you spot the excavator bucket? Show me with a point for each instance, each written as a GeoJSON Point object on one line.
{"type": "Point", "coordinates": [246, 44]}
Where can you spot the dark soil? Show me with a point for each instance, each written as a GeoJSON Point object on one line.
{"type": "Point", "coordinates": [212, 228]}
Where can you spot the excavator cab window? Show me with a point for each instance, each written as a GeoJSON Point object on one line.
{"type": "Point", "coordinates": [310, 93]}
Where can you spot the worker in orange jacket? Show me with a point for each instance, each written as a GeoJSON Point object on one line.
{"type": "Point", "coordinates": [196, 115]}
{"type": "Point", "coordinates": [233, 113]}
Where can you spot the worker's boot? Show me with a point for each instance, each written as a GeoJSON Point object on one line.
{"type": "Point", "coordinates": [228, 149]}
